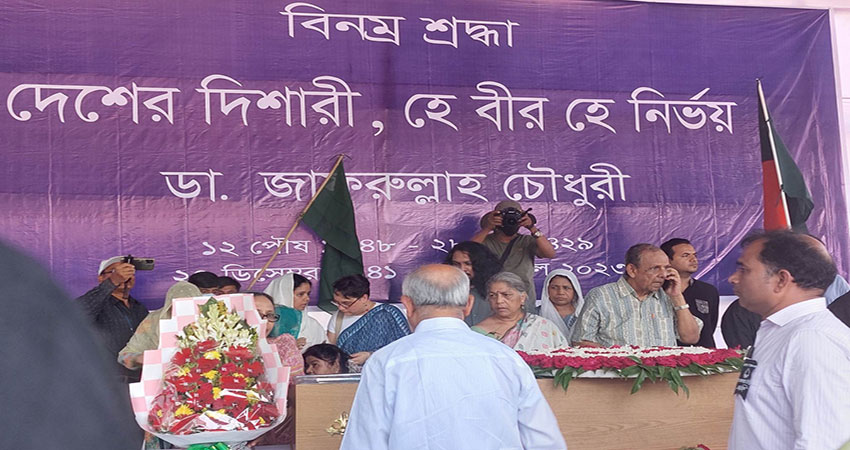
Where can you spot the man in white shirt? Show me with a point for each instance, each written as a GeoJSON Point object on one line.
{"type": "Point", "coordinates": [792, 393]}
{"type": "Point", "coordinates": [445, 386]}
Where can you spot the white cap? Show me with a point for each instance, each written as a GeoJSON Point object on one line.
{"type": "Point", "coordinates": [108, 262]}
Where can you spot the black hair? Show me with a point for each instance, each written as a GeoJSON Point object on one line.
{"type": "Point", "coordinates": [298, 280]}
{"type": "Point", "coordinates": [352, 286]}
{"type": "Point", "coordinates": [667, 247]}
{"type": "Point", "coordinates": [204, 280]}
{"type": "Point", "coordinates": [228, 281]}
{"type": "Point", "coordinates": [328, 353]}
{"type": "Point", "coordinates": [485, 264]}
{"type": "Point", "coordinates": [256, 293]}
{"type": "Point", "coordinates": [810, 265]}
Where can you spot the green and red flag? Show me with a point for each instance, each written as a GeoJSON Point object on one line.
{"type": "Point", "coordinates": [787, 202]}
{"type": "Point", "coordinates": [331, 216]}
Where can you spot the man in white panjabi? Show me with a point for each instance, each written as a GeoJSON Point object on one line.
{"type": "Point", "coordinates": [445, 386]}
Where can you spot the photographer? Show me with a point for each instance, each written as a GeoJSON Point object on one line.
{"type": "Point", "coordinates": [500, 234]}
{"type": "Point", "coordinates": [112, 311]}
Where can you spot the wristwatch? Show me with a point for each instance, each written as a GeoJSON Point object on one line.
{"type": "Point", "coordinates": [537, 234]}
{"type": "Point", "coordinates": [681, 307]}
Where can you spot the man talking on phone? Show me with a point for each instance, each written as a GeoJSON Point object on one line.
{"type": "Point", "coordinates": [645, 307]}
{"type": "Point", "coordinates": [112, 311]}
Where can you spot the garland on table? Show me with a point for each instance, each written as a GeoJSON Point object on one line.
{"type": "Point", "coordinates": [653, 363]}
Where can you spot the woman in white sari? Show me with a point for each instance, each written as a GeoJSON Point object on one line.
{"type": "Point", "coordinates": [562, 300]}
{"type": "Point", "coordinates": [510, 324]}
{"type": "Point", "coordinates": [291, 294]}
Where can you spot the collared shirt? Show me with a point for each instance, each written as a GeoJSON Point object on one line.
{"type": "Point", "coordinates": [114, 321]}
{"type": "Point", "coordinates": [613, 315]}
{"type": "Point", "coordinates": [798, 396]}
{"type": "Point", "coordinates": [704, 302]}
{"type": "Point", "coordinates": [445, 387]}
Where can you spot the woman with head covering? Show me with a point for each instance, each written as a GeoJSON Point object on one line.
{"type": "Point", "coordinates": [147, 334]}
{"type": "Point", "coordinates": [479, 264]}
{"type": "Point", "coordinates": [509, 322]}
{"type": "Point", "coordinates": [291, 294]}
{"type": "Point", "coordinates": [562, 300]}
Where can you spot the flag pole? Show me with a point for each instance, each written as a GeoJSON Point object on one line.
{"type": "Point", "coordinates": [773, 151]}
{"type": "Point", "coordinates": [297, 221]}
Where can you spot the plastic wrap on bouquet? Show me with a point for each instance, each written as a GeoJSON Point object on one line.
{"type": "Point", "coordinates": [240, 407]}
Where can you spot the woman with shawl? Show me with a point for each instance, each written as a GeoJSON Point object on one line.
{"type": "Point", "coordinates": [510, 324]}
{"type": "Point", "coordinates": [147, 333]}
{"type": "Point", "coordinates": [562, 300]}
{"type": "Point", "coordinates": [291, 294]}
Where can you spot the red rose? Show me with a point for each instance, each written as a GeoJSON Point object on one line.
{"type": "Point", "coordinates": [182, 357]}
{"type": "Point", "coordinates": [205, 364]}
{"type": "Point", "coordinates": [239, 353]}
{"type": "Point", "coordinates": [560, 361]}
{"type": "Point", "coordinates": [232, 382]}
{"type": "Point", "coordinates": [683, 360]}
{"type": "Point", "coordinates": [254, 368]}
{"type": "Point", "coordinates": [205, 346]}
{"type": "Point", "coordinates": [666, 361]}
{"type": "Point", "coordinates": [229, 369]}
{"type": "Point", "coordinates": [591, 363]}
{"type": "Point", "coordinates": [648, 361]}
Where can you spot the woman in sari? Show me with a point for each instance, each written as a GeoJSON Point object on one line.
{"type": "Point", "coordinates": [479, 264]}
{"type": "Point", "coordinates": [562, 300]}
{"type": "Point", "coordinates": [291, 294]}
{"type": "Point", "coordinates": [146, 336]}
{"type": "Point", "coordinates": [361, 326]}
{"type": "Point", "coordinates": [513, 326]}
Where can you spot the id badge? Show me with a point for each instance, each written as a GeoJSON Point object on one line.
{"type": "Point", "coordinates": [746, 376]}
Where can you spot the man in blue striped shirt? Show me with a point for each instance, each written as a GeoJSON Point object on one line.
{"type": "Point", "coordinates": [645, 307]}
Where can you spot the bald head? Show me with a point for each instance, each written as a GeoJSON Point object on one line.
{"type": "Point", "coordinates": [437, 285]}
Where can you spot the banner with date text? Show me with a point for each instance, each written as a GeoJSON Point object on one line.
{"type": "Point", "coordinates": [194, 132]}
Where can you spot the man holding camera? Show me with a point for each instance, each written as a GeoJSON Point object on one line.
{"type": "Point", "coordinates": [500, 233]}
{"type": "Point", "coordinates": [113, 312]}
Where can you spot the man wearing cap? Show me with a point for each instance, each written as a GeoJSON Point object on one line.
{"type": "Point", "coordinates": [113, 312]}
{"type": "Point", "coordinates": [516, 251]}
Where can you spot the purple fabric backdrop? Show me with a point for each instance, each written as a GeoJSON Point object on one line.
{"type": "Point", "coordinates": [92, 150]}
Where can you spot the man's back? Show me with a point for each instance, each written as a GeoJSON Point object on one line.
{"type": "Point", "coordinates": [446, 387]}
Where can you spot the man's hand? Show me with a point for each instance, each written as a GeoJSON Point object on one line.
{"type": "Point", "coordinates": [672, 283]}
{"type": "Point", "coordinates": [301, 342]}
{"type": "Point", "coordinates": [121, 273]}
{"type": "Point", "coordinates": [491, 220]}
{"type": "Point", "coordinates": [526, 222]}
{"type": "Point", "coordinates": [360, 358]}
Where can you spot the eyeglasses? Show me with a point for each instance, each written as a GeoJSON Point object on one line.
{"type": "Point", "coordinates": [270, 317]}
{"type": "Point", "coordinates": [346, 305]}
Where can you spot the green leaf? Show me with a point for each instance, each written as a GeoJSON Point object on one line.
{"type": "Point", "coordinates": [639, 381]}
{"type": "Point", "coordinates": [678, 379]}
{"type": "Point", "coordinates": [630, 371]}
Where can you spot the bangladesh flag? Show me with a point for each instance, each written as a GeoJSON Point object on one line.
{"type": "Point", "coordinates": [787, 202]}
{"type": "Point", "coordinates": [331, 216]}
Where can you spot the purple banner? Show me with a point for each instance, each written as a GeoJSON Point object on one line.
{"type": "Point", "coordinates": [195, 132]}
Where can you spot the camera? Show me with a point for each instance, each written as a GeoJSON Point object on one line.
{"type": "Point", "coordinates": [511, 218]}
{"type": "Point", "coordinates": [139, 263]}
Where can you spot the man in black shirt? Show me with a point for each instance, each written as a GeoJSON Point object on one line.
{"type": "Point", "coordinates": [113, 312]}
{"type": "Point", "coordinates": [739, 326]}
{"type": "Point", "coordinates": [702, 298]}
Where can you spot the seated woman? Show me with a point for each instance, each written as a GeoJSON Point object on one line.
{"type": "Point", "coordinates": [291, 294]}
{"type": "Point", "coordinates": [513, 326]}
{"type": "Point", "coordinates": [479, 264]}
{"type": "Point", "coordinates": [325, 359]}
{"type": "Point", "coordinates": [146, 336]}
{"type": "Point", "coordinates": [290, 356]}
{"type": "Point", "coordinates": [562, 300]}
{"type": "Point", "coordinates": [361, 326]}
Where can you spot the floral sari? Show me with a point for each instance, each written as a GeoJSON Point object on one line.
{"type": "Point", "coordinates": [380, 326]}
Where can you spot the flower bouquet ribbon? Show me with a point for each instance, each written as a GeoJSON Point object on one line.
{"type": "Point", "coordinates": [214, 378]}
{"type": "Point", "coordinates": [653, 363]}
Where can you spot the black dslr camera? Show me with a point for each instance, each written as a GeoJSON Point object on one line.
{"type": "Point", "coordinates": [139, 263]}
{"type": "Point", "coordinates": [511, 218]}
